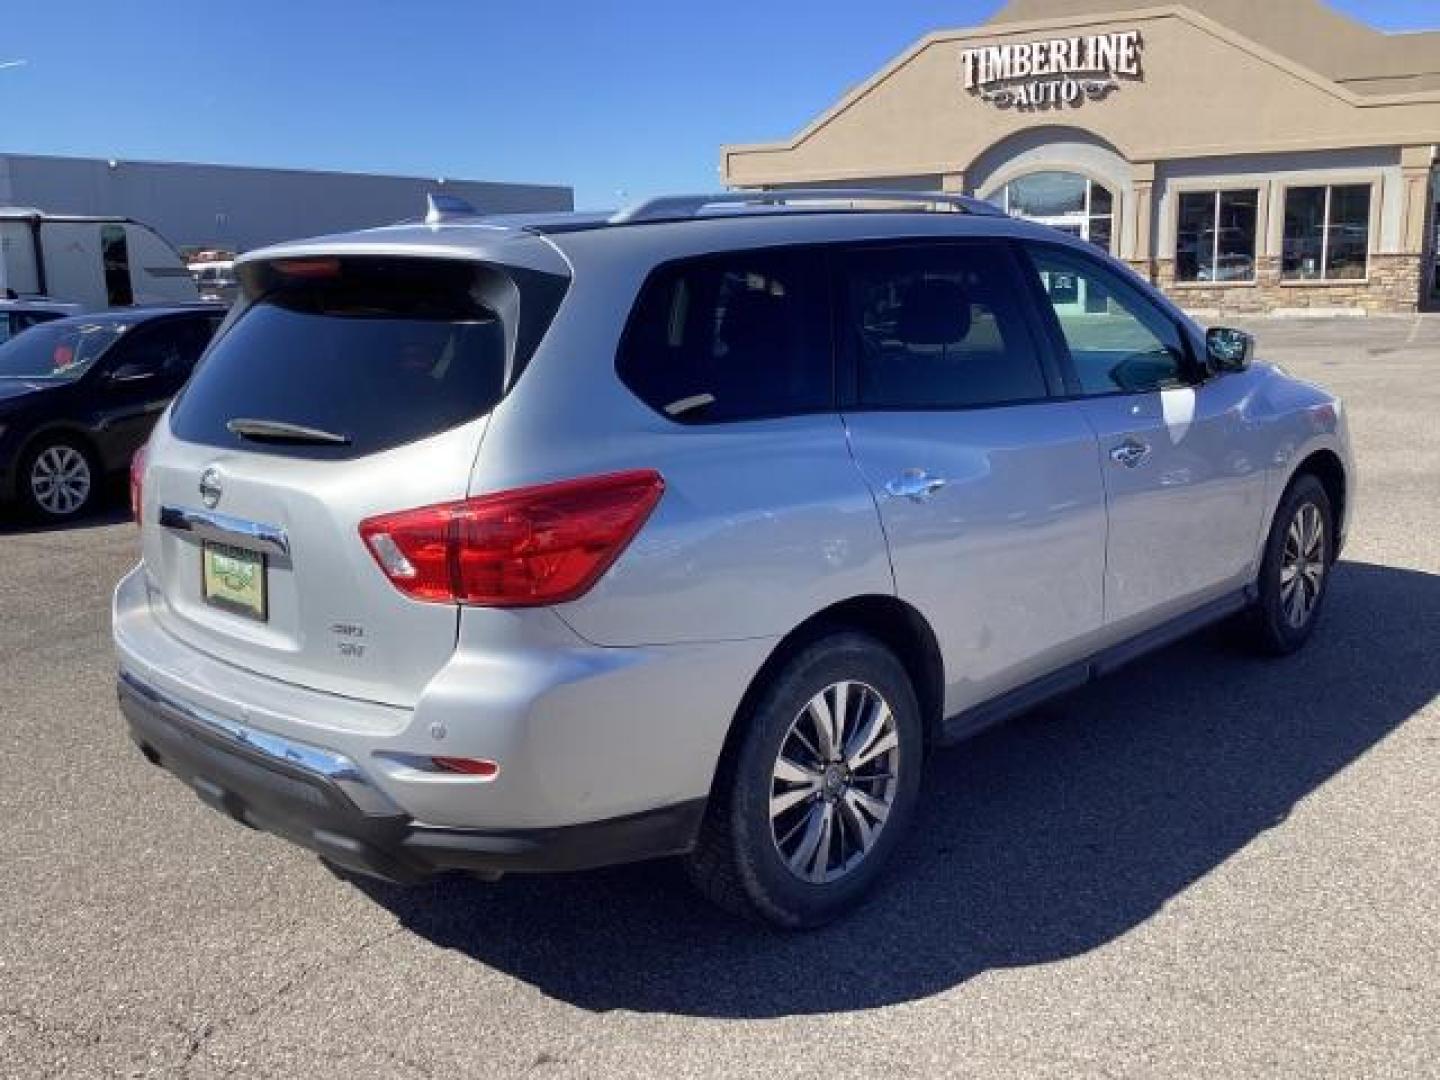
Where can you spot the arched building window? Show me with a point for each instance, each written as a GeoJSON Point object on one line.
{"type": "Point", "coordinates": [1067, 201]}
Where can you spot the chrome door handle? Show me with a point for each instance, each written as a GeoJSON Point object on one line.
{"type": "Point", "coordinates": [1130, 453]}
{"type": "Point", "coordinates": [915, 484]}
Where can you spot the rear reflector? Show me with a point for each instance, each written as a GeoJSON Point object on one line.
{"type": "Point", "coordinates": [480, 768]}
{"type": "Point", "coordinates": [523, 548]}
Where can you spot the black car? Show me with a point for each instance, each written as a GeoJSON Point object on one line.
{"type": "Point", "coordinates": [78, 397]}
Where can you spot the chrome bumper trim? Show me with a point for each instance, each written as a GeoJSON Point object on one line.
{"type": "Point", "coordinates": [327, 765]}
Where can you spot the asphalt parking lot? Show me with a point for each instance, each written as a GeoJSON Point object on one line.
{"type": "Point", "coordinates": [1207, 865]}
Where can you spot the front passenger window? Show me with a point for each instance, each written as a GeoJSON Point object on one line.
{"type": "Point", "coordinates": [1119, 341]}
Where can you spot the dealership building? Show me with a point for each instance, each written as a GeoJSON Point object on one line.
{"type": "Point", "coordinates": [1246, 155]}
{"type": "Point", "coordinates": [239, 208]}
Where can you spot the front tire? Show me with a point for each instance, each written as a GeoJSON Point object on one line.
{"type": "Point", "coordinates": [58, 479]}
{"type": "Point", "coordinates": [811, 801]}
{"type": "Point", "coordinates": [1295, 572]}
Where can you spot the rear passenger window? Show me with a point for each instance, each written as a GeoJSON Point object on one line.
{"type": "Point", "coordinates": [735, 337]}
{"type": "Point", "coordinates": [938, 327]}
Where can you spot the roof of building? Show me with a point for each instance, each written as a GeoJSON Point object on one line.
{"type": "Point", "coordinates": [1274, 75]}
{"type": "Point", "coordinates": [1310, 32]}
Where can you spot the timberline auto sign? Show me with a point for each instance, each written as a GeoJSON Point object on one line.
{"type": "Point", "coordinates": [1050, 74]}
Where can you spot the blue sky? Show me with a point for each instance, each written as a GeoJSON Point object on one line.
{"type": "Point", "coordinates": [611, 98]}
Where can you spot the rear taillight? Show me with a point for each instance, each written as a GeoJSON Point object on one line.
{"type": "Point", "coordinates": [537, 545]}
{"type": "Point", "coordinates": [137, 481]}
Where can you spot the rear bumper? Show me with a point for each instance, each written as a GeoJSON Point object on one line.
{"type": "Point", "coordinates": [606, 755]}
{"type": "Point", "coordinates": [320, 800]}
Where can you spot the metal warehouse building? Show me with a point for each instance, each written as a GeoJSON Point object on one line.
{"type": "Point", "coordinates": [236, 208]}
{"type": "Point", "coordinates": [1246, 155]}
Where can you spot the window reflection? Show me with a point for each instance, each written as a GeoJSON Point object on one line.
{"type": "Point", "coordinates": [1067, 201]}
{"type": "Point", "coordinates": [1215, 239]}
{"type": "Point", "coordinates": [1327, 233]}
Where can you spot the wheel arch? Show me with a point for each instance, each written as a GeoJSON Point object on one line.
{"type": "Point", "coordinates": [14, 488]}
{"type": "Point", "coordinates": [1325, 465]}
{"type": "Point", "coordinates": [889, 620]}
{"type": "Point", "coordinates": [84, 439]}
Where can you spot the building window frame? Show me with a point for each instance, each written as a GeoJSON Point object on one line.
{"type": "Point", "coordinates": [1216, 191]}
{"type": "Point", "coordinates": [1168, 237]}
{"type": "Point", "coordinates": [1372, 228]}
{"type": "Point", "coordinates": [999, 193]}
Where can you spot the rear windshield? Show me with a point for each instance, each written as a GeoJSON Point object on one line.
{"type": "Point", "coordinates": [338, 358]}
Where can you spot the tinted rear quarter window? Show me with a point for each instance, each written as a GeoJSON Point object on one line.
{"type": "Point", "coordinates": [740, 336]}
{"type": "Point", "coordinates": [380, 351]}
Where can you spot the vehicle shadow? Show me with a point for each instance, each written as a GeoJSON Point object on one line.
{"type": "Point", "coordinates": [1038, 841]}
{"type": "Point", "coordinates": [111, 508]}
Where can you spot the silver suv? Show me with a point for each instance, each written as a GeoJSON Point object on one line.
{"type": "Point", "coordinates": [495, 545]}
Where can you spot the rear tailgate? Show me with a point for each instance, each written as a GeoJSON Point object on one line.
{"type": "Point", "coordinates": [353, 387]}
{"type": "Point", "coordinates": [332, 621]}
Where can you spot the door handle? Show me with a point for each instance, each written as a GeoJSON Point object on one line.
{"type": "Point", "coordinates": [915, 484]}
{"type": "Point", "coordinates": [1130, 453]}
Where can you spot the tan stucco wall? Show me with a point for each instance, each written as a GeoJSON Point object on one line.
{"type": "Point", "coordinates": [1213, 109]}
{"type": "Point", "coordinates": [1206, 91]}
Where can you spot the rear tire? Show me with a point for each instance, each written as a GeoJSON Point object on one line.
{"type": "Point", "coordinates": [59, 479]}
{"type": "Point", "coordinates": [1295, 571]}
{"type": "Point", "coordinates": [804, 817]}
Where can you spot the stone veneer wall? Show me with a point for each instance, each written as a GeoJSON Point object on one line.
{"type": "Point", "coordinates": [1393, 286]}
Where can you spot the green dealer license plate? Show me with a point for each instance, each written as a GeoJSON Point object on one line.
{"type": "Point", "coordinates": [233, 579]}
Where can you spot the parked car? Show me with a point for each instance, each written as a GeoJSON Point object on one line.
{"type": "Point", "coordinates": [94, 262]}
{"type": "Point", "coordinates": [18, 315]}
{"type": "Point", "coordinates": [79, 395]}
{"type": "Point", "coordinates": [546, 543]}
{"type": "Point", "coordinates": [216, 279]}
{"type": "Point", "coordinates": [1228, 268]}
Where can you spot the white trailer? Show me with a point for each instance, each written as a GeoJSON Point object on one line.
{"type": "Point", "coordinates": [96, 262]}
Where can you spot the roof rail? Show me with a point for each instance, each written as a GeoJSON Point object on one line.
{"type": "Point", "coordinates": [681, 207]}
{"type": "Point", "coordinates": [441, 208]}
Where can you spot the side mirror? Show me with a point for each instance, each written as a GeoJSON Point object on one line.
{"type": "Point", "coordinates": [1229, 350]}
{"type": "Point", "coordinates": [128, 374]}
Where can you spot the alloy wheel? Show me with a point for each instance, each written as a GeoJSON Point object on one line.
{"type": "Point", "coordinates": [60, 480]}
{"type": "Point", "coordinates": [834, 782]}
{"type": "Point", "coordinates": [1302, 565]}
